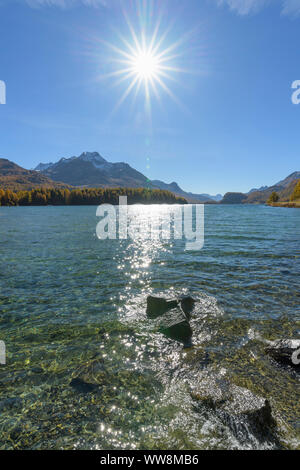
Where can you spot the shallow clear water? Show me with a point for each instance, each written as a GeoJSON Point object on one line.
{"type": "Point", "coordinates": [71, 304]}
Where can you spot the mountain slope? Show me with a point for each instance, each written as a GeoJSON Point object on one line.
{"type": "Point", "coordinates": [254, 190]}
{"type": "Point", "coordinates": [234, 198]}
{"type": "Point", "coordinates": [16, 178]}
{"type": "Point", "coordinates": [289, 179]}
{"type": "Point", "coordinates": [175, 189]}
{"type": "Point", "coordinates": [92, 170]}
{"type": "Point", "coordinates": [284, 189]}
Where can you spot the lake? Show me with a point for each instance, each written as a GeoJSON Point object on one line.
{"type": "Point", "coordinates": [72, 305]}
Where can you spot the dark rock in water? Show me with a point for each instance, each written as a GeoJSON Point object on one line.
{"type": "Point", "coordinates": [9, 403]}
{"type": "Point", "coordinates": [236, 407]}
{"type": "Point", "coordinates": [175, 317]}
{"type": "Point", "coordinates": [187, 305]}
{"type": "Point", "coordinates": [83, 387]}
{"type": "Point", "coordinates": [257, 410]}
{"type": "Point", "coordinates": [285, 351]}
{"type": "Point", "coordinates": [109, 380]}
{"type": "Point", "coordinates": [181, 332]}
{"type": "Point", "coordinates": [157, 306]}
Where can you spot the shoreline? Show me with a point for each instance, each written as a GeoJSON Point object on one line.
{"type": "Point", "coordinates": [288, 204]}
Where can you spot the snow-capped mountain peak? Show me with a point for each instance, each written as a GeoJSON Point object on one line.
{"type": "Point", "coordinates": [93, 157]}
{"type": "Point", "coordinates": [43, 166]}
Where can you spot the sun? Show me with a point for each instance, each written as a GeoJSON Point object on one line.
{"type": "Point", "coordinates": [145, 65]}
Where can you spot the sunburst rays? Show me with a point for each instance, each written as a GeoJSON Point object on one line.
{"type": "Point", "coordinates": [145, 63]}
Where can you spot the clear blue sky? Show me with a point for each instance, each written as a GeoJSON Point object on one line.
{"type": "Point", "coordinates": [236, 127]}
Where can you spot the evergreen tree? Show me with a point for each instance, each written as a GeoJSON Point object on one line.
{"type": "Point", "coordinates": [87, 196]}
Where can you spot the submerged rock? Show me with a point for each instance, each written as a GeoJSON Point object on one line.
{"type": "Point", "coordinates": [237, 407]}
{"type": "Point", "coordinates": [257, 410]}
{"type": "Point", "coordinates": [109, 379]}
{"type": "Point", "coordinates": [83, 387]}
{"type": "Point", "coordinates": [175, 326]}
{"type": "Point", "coordinates": [175, 314]}
{"type": "Point", "coordinates": [181, 332]}
{"type": "Point", "coordinates": [285, 351]}
{"type": "Point", "coordinates": [157, 306]}
{"type": "Point", "coordinates": [9, 403]}
{"type": "Point", "coordinates": [187, 305]}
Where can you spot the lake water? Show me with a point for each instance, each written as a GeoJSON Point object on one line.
{"type": "Point", "coordinates": [72, 305]}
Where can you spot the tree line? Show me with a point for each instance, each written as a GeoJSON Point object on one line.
{"type": "Point", "coordinates": [86, 196]}
{"type": "Point", "coordinates": [295, 196]}
{"type": "Point", "coordinates": [296, 193]}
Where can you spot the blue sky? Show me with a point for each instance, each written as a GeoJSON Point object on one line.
{"type": "Point", "coordinates": [227, 122]}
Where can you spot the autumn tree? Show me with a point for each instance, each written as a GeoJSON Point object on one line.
{"type": "Point", "coordinates": [273, 198]}
{"type": "Point", "coordinates": [296, 193]}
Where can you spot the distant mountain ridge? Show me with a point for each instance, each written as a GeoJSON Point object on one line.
{"type": "Point", "coordinates": [284, 188]}
{"type": "Point", "coordinates": [14, 177]}
{"type": "Point", "coordinates": [90, 169]}
{"type": "Point", "coordinates": [191, 197]}
{"type": "Point", "coordinates": [254, 190]}
{"type": "Point", "coordinates": [43, 166]}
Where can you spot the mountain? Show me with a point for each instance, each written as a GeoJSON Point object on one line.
{"type": "Point", "coordinates": [234, 198]}
{"type": "Point", "coordinates": [16, 178]}
{"type": "Point", "coordinates": [43, 166]}
{"type": "Point", "coordinates": [284, 189]}
{"type": "Point", "coordinates": [92, 170]}
{"type": "Point", "coordinates": [174, 188]}
{"type": "Point", "coordinates": [289, 179]}
{"type": "Point", "coordinates": [217, 197]}
{"type": "Point", "coordinates": [254, 190]}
